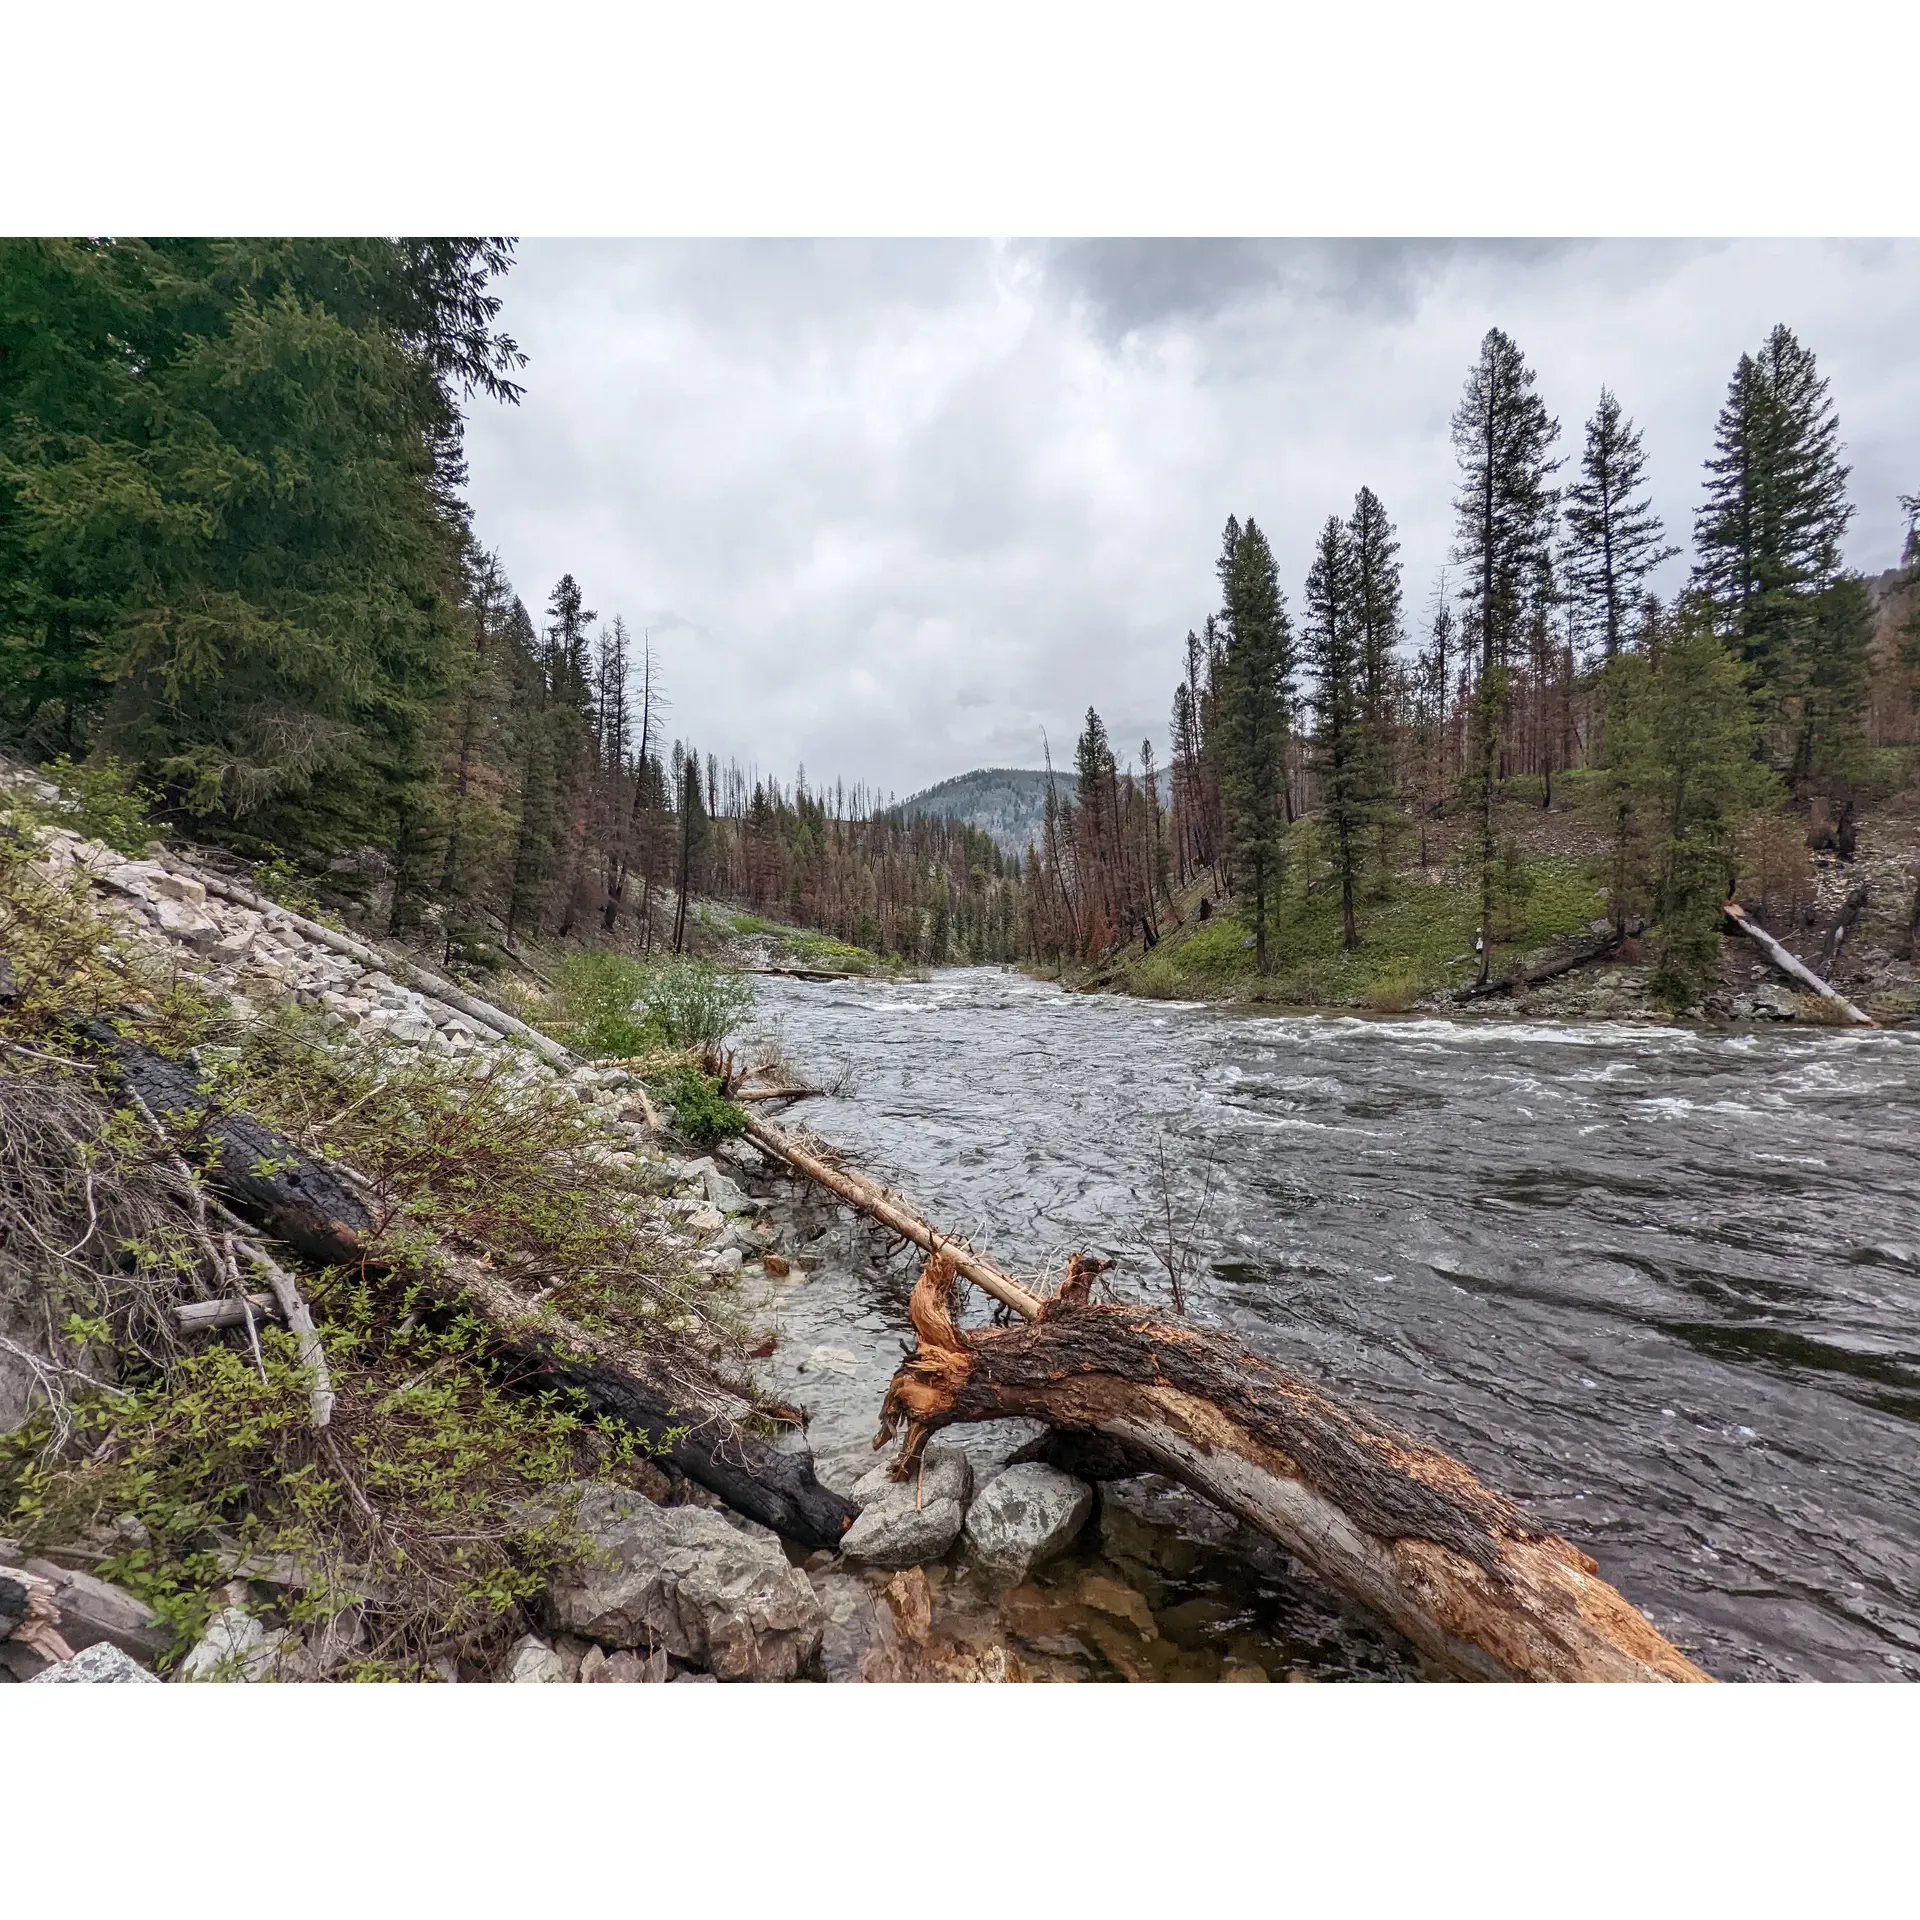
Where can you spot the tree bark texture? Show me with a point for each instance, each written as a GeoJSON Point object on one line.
{"type": "Point", "coordinates": [1408, 1531]}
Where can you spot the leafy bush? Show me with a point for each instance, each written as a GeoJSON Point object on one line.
{"type": "Point", "coordinates": [702, 1112]}
{"type": "Point", "coordinates": [101, 799]}
{"type": "Point", "coordinates": [600, 1005]}
{"type": "Point", "coordinates": [1395, 987]}
{"type": "Point", "coordinates": [692, 1003]}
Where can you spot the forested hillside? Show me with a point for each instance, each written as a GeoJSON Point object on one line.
{"type": "Point", "coordinates": [237, 575]}
{"type": "Point", "coordinates": [1325, 761]}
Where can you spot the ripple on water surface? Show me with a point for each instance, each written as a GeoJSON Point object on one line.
{"type": "Point", "coordinates": [1658, 1283]}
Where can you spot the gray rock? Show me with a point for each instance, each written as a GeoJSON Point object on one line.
{"type": "Point", "coordinates": [92, 1611]}
{"type": "Point", "coordinates": [533, 1663]}
{"type": "Point", "coordinates": [1024, 1516]}
{"type": "Point", "coordinates": [990, 1445]}
{"type": "Point", "coordinates": [102, 1664]}
{"type": "Point", "coordinates": [712, 1594]}
{"type": "Point", "coordinates": [236, 1646]}
{"type": "Point", "coordinates": [179, 921]}
{"type": "Point", "coordinates": [908, 1523]}
{"type": "Point", "coordinates": [725, 1194]}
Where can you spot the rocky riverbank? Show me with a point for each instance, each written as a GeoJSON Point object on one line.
{"type": "Point", "coordinates": [991, 1564]}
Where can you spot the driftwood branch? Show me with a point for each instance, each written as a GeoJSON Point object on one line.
{"type": "Point", "coordinates": [890, 1211]}
{"type": "Point", "coordinates": [209, 1316]}
{"type": "Point", "coordinates": [30, 1613]}
{"type": "Point", "coordinates": [1792, 968]}
{"type": "Point", "coordinates": [750, 1095]}
{"type": "Point", "coordinates": [1408, 1531]}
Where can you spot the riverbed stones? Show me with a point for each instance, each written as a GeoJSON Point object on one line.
{"type": "Point", "coordinates": [102, 1664]}
{"type": "Point", "coordinates": [710, 1593]}
{"type": "Point", "coordinates": [1024, 1517]}
{"type": "Point", "coordinates": [728, 1195]}
{"type": "Point", "coordinates": [907, 1523]}
{"type": "Point", "coordinates": [990, 1446]}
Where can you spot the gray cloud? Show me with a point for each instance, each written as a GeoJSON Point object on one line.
{"type": "Point", "coordinates": [895, 508]}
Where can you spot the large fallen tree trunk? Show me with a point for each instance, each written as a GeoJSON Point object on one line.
{"type": "Point", "coordinates": [893, 1213]}
{"type": "Point", "coordinates": [1792, 968]}
{"type": "Point", "coordinates": [324, 1213]}
{"type": "Point", "coordinates": [1410, 1532]}
{"type": "Point", "coordinates": [1588, 953]}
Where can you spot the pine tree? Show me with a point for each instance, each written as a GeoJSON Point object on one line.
{"type": "Point", "coordinates": [1768, 537]}
{"type": "Point", "coordinates": [1254, 687]}
{"type": "Point", "coordinates": [1680, 778]}
{"type": "Point", "coordinates": [1377, 612]}
{"type": "Point", "coordinates": [1334, 647]}
{"type": "Point", "coordinates": [1614, 537]}
{"type": "Point", "coordinates": [1504, 514]}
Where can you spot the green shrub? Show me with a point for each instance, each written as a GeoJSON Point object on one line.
{"type": "Point", "coordinates": [600, 1012]}
{"type": "Point", "coordinates": [102, 799]}
{"type": "Point", "coordinates": [701, 1111]}
{"type": "Point", "coordinates": [1395, 987]}
{"type": "Point", "coordinates": [692, 1003]}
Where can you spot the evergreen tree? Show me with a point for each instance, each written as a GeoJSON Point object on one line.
{"type": "Point", "coordinates": [1377, 611]}
{"type": "Point", "coordinates": [1614, 537]}
{"type": "Point", "coordinates": [1254, 688]}
{"type": "Point", "coordinates": [230, 542]}
{"type": "Point", "coordinates": [1681, 778]}
{"type": "Point", "coordinates": [1768, 536]}
{"type": "Point", "coordinates": [1334, 644]}
{"type": "Point", "coordinates": [1504, 514]}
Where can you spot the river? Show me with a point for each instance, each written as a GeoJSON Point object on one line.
{"type": "Point", "coordinates": [1660, 1284]}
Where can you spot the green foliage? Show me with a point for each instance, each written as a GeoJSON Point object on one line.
{"type": "Point", "coordinates": [225, 473]}
{"type": "Point", "coordinates": [219, 1466]}
{"type": "Point", "coordinates": [1681, 779]}
{"type": "Point", "coordinates": [104, 801]}
{"type": "Point", "coordinates": [1254, 690]}
{"type": "Point", "coordinates": [601, 1014]}
{"type": "Point", "coordinates": [701, 1110]}
{"type": "Point", "coordinates": [693, 1003]}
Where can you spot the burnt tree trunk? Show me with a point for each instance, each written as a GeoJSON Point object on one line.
{"type": "Point", "coordinates": [293, 1196]}
{"type": "Point", "coordinates": [1406, 1530]}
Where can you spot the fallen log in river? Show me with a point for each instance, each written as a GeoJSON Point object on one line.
{"type": "Point", "coordinates": [1408, 1531]}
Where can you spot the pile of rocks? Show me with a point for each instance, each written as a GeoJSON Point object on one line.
{"type": "Point", "coordinates": [1007, 1515]}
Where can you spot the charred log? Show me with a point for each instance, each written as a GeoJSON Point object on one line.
{"type": "Point", "coordinates": [1409, 1531]}
{"type": "Point", "coordinates": [320, 1211]}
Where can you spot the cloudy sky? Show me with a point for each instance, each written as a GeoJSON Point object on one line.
{"type": "Point", "coordinates": [892, 510]}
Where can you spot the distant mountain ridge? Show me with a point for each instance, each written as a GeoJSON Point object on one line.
{"type": "Point", "coordinates": [1010, 803]}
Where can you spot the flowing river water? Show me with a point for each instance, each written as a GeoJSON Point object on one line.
{"type": "Point", "coordinates": [1660, 1284]}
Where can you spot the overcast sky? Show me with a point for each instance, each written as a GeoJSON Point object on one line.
{"type": "Point", "coordinates": [892, 509]}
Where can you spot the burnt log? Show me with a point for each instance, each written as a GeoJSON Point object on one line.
{"type": "Point", "coordinates": [322, 1212]}
{"type": "Point", "coordinates": [1408, 1531]}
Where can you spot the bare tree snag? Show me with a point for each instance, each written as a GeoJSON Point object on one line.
{"type": "Point", "coordinates": [877, 1204]}
{"type": "Point", "coordinates": [1408, 1531]}
{"type": "Point", "coordinates": [1792, 968]}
